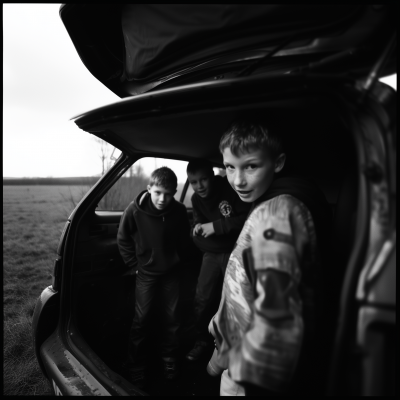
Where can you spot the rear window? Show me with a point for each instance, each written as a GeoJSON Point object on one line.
{"type": "Point", "coordinates": [136, 179]}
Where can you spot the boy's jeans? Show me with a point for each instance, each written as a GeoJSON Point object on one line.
{"type": "Point", "coordinates": [208, 291]}
{"type": "Point", "coordinates": [147, 286]}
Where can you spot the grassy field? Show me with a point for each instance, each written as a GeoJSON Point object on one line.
{"type": "Point", "coordinates": [33, 219]}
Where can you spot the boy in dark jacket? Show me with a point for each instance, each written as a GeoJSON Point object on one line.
{"type": "Point", "coordinates": [153, 238]}
{"type": "Point", "coordinates": [218, 218]}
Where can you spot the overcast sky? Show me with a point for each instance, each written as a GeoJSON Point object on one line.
{"type": "Point", "coordinates": [44, 85]}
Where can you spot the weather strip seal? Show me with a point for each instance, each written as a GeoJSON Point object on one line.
{"type": "Point", "coordinates": [372, 77]}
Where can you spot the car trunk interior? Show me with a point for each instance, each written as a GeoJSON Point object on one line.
{"type": "Point", "coordinates": [319, 144]}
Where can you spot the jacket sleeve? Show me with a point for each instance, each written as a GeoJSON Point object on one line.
{"type": "Point", "coordinates": [198, 217]}
{"type": "Point", "coordinates": [125, 240]}
{"type": "Point", "coordinates": [269, 350]}
{"type": "Point", "coordinates": [224, 226]}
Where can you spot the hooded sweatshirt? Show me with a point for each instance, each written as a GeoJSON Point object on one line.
{"type": "Point", "coordinates": [154, 241]}
{"type": "Point", "coordinates": [225, 210]}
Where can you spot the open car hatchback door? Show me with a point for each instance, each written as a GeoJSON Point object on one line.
{"type": "Point", "coordinates": [315, 76]}
{"type": "Point", "coordinates": [134, 48]}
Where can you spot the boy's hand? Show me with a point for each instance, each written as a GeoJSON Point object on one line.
{"type": "Point", "coordinates": [207, 229]}
{"type": "Point", "coordinates": [197, 230]}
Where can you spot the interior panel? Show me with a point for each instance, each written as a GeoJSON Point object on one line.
{"type": "Point", "coordinates": [105, 288]}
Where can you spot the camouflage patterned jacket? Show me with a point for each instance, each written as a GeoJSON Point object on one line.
{"type": "Point", "coordinates": [260, 324]}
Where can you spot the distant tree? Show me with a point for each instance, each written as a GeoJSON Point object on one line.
{"type": "Point", "coordinates": [104, 154]}
{"type": "Point", "coordinates": [124, 190]}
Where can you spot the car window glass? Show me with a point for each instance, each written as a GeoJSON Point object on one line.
{"type": "Point", "coordinates": [136, 179]}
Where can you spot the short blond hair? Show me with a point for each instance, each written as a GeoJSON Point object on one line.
{"type": "Point", "coordinates": [242, 135]}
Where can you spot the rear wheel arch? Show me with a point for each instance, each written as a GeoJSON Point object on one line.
{"type": "Point", "coordinates": [45, 320]}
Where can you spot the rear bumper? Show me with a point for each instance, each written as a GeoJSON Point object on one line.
{"type": "Point", "coordinates": [66, 374]}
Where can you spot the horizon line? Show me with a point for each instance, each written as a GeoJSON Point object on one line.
{"type": "Point", "coordinates": [52, 177]}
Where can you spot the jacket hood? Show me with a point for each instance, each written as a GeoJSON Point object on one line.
{"type": "Point", "coordinates": [143, 196]}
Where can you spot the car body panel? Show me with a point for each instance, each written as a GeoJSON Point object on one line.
{"type": "Point", "coordinates": [44, 320]}
{"type": "Point", "coordinates": [379, 285]}
{"type": "Point", "coordinates": [376, 288]}
{"type": "Point", "coordinates": [359, 306]}
{"type": "Point", "coordinates": [376, 340]}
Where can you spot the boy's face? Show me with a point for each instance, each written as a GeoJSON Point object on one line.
{"type": "Point", "coordinates": [161, 196]}
{"type": "Point", "coordinates": [201, 182]}
{"type": "Point", "coordinates": [250, 174]}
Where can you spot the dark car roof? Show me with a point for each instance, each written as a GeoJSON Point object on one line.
{"type": "Point", "coordinates": [132, 48]}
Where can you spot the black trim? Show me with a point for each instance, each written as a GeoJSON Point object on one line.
{"type": "Point", "coordinates": [184, 190]}
{"type": "Point", "coordinates": [344, 337]}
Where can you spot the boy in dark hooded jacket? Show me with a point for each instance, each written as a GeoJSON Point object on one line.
{"type": "Point", "coordinates": [218, 218]}
{"type": "Point", "coordinates": [153, 238]}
